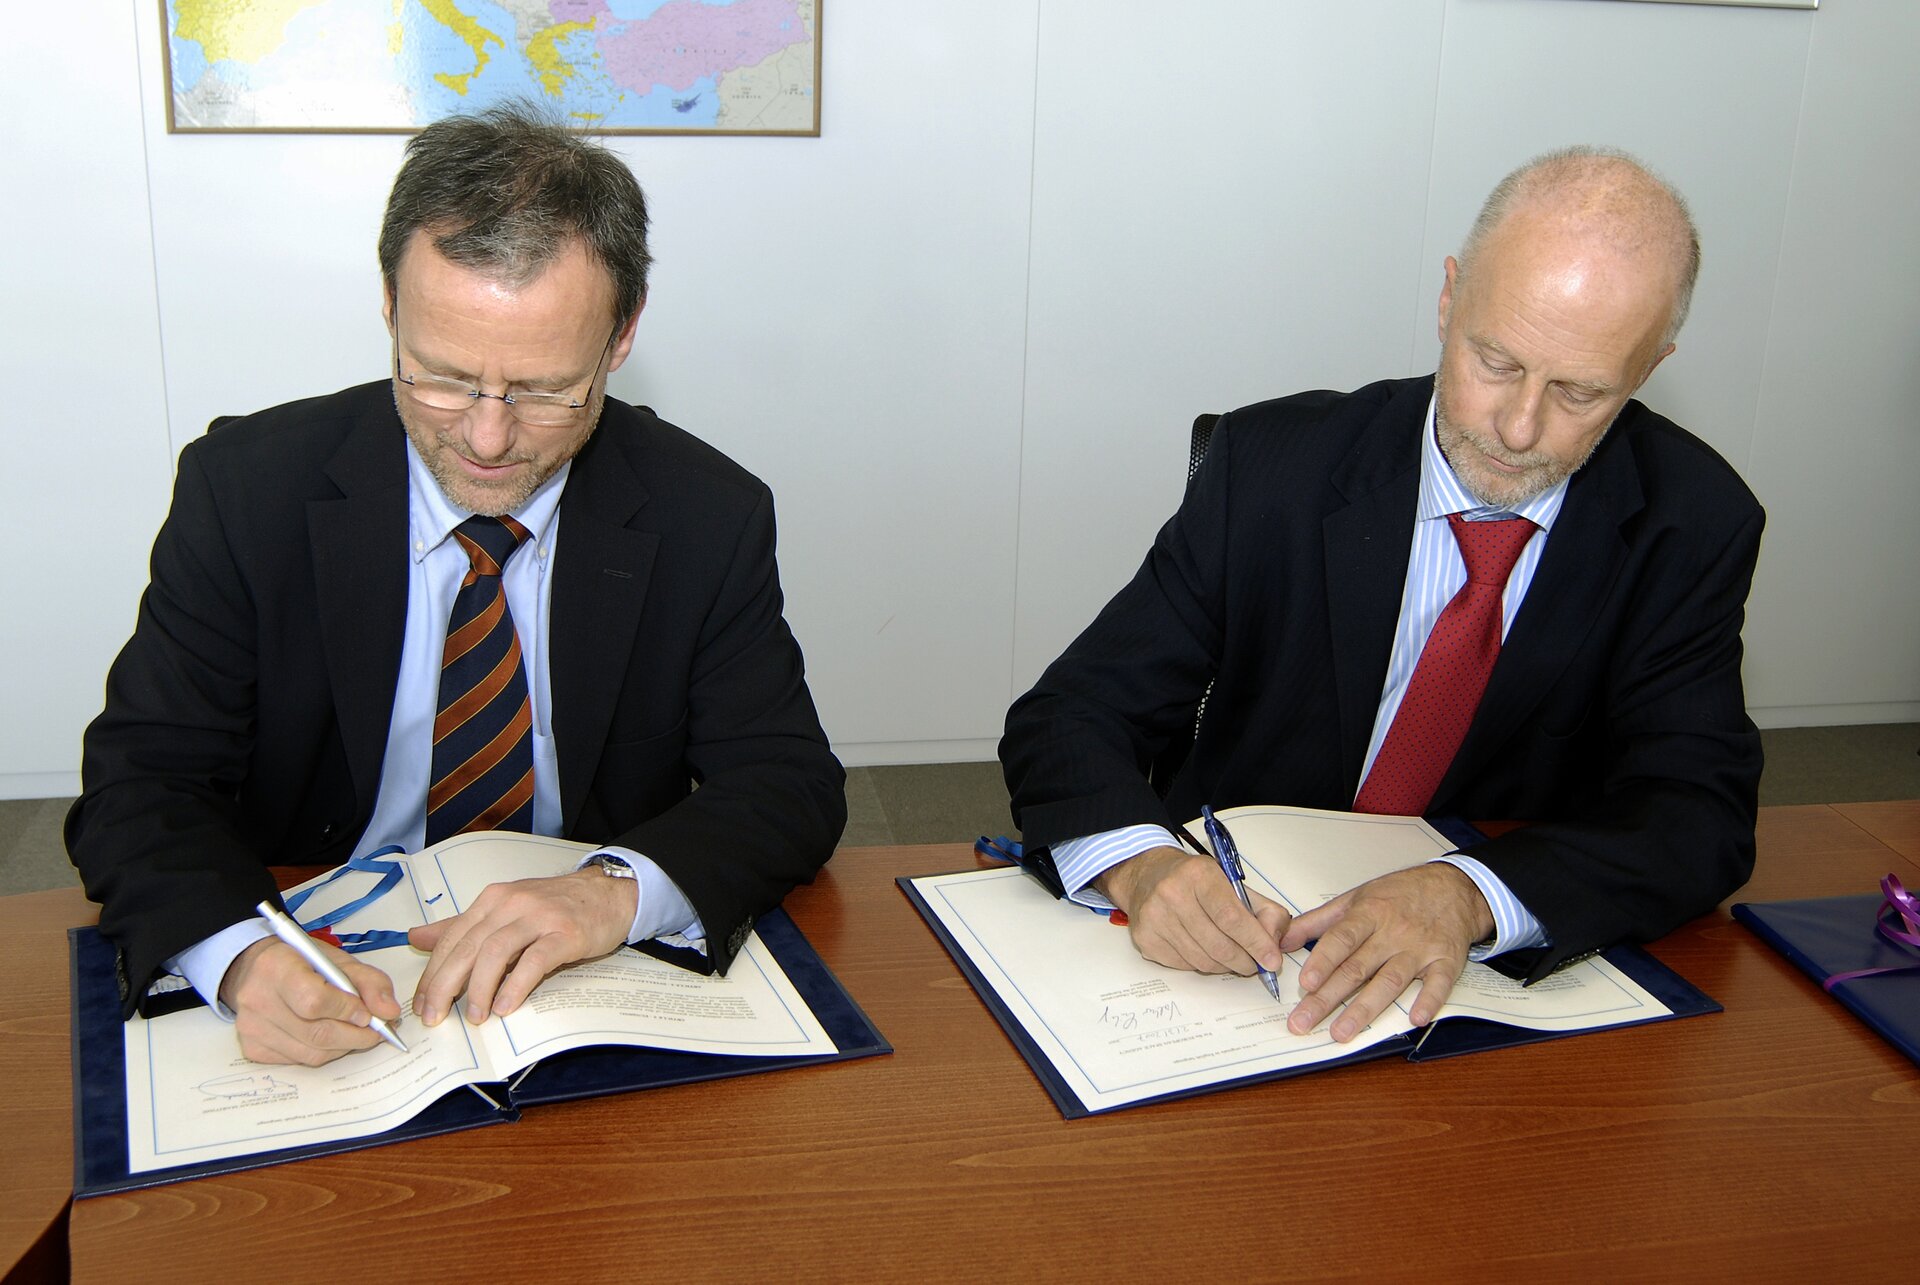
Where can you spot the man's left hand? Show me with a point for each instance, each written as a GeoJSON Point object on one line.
{"type": "Point", "coordinates": [1378, 939]}
{"type": "Point", "coordinates": [513, 935]}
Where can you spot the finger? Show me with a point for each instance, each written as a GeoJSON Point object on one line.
{"type": "Point", "coordinates": [493, 958]}
{"type": "Point", "coordinates": [445, 975]}
{"type": "Point", "coordinates": [375, 988]}
{"type": "Point", "coordinates": [310, 1024]}
{"type": "Point", "coordinates": [1274, 920]}
{"type": "Point", "coordinates": [1194, 927]}
{"type": "Point", "coordinates": [1436, 984]}
{"type": "Point", "coordinates": [1336, 969]}
{"type": "Point", "coordinates": [304, 1043]}
{"type": "Point", "coordinates": [1165, 940]}
{"type": "Point", "coordinates": [1382, 989]}
{"type": "Point", "coordinates": [1232, 939]}
{"type": "Point", "coordinates": [426, 936]}
{"type": "Point", "coordinates": [536, 961]}
{"type": "Point", "coordinates": [1315, 923]}
{"type": "Point", "coordinates": [1335, 950]}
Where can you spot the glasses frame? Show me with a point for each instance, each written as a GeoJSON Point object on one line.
{"type": "Point", "coordinates": [514, 407]}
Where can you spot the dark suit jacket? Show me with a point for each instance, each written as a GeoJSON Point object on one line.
{"type": "Point", "coordinates": [246, 720]}
{"type": "Point", "coordinates": [1614, 718]}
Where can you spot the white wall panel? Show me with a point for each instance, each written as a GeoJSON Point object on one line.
{"type": "Point", "coordinates": [1833, 628]}
{"type": "Point", "coordinates": [844, 316]}
{"type": "Point", "coordinates": [962, 334]}
{"type": "Point", "coordinates": [86, 428]}
{"type": "Point", "coordinates": [1706, 95]}
{"type": "Point", "coordinates": [1223, 204]}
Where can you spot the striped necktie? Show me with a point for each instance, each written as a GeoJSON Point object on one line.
{"type": "Point", "coordinates": [483, 730]}
{"type": "Point", "coordinates": [1451, 675]}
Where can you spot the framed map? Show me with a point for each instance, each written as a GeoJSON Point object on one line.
{"type": "Point", "coordinates": [394, 66]}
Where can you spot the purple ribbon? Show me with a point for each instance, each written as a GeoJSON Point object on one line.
{"type": "Point", "coordinates": [1898, 921]}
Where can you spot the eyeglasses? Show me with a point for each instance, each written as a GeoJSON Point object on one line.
{"type": "Point", "coordinates": [437, 392]}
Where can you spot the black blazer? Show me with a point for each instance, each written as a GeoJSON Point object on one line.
{"type": "Point", "coordinates": [1614, 718]}
{"type": "Point", "coordinates": [247, 717]}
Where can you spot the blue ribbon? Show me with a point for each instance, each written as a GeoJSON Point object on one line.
{"type": "Point", "coordinates": [356, 943]}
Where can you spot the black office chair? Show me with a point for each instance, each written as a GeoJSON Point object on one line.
{"type": "Point", "coordinates": [1167, 764]}
{"type": "Point", "coordinates": [1201, 439]}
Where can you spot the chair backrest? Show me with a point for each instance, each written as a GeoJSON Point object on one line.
{"type": "Point", "coordinates": [1170, 760]}
{"type": "Point", "coordinates": [219, 420]}
{"type": "Point", "coordinates": [1198, 443]}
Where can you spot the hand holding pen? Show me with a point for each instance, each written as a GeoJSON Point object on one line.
{"type": "Point", "coordinates": [1228, 856]}
{"type": "Point", "coordinates": [293, 935]}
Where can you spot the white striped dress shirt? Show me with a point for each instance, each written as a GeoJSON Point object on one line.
{"type": "Point", "coordinates": [1435, 573]}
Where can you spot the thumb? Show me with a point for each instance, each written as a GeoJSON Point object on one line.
{"type": "Point", "coordinates": [1310, 925]}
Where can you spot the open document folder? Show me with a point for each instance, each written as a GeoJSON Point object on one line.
{"type": "Point", "coordinates": [171, 1097]}
{"type": "Point", "coordinates": [1104, 1028]}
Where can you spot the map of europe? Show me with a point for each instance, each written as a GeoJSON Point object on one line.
{"type": "Point", "coordinates": [644, 66]}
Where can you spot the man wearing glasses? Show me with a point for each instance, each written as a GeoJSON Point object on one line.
{"type": "Point", "coordinates": [481, 595]}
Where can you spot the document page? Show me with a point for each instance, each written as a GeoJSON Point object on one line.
{"type": "Point", "coordinates": [191, 1096]}
{"type": "Point", "coordinates": [625, 997]}
{"type": "Point", "coordinates": [1119, 1029]}
{"type": "Point", "coordinates": [1305, 857]}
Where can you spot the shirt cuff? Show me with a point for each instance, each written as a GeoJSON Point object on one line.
{"type": "Point", "coordinates": [1080, 861]}
{"type": "Point", "coordinates": [662, 910]}
{"type": "Point", "coordinates": [205, 964]}
{"type": "Point", "coordinates": [1514, 927]}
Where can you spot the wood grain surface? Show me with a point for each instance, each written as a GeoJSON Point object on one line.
{"type": "Point", "coordinates": [1772, 1141]}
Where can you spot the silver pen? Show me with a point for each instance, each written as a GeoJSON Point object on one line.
{"type": "Point", "coordinates": [295, 936]}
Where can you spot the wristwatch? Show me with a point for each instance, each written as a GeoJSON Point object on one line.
{"type": "Point", "coordinates": [612, 866]}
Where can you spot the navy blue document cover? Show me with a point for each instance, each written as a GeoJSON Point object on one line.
{"type": "Point", "coordinates": [1449, 1037]}
{"type": "Point", "coordinates": [99, 1068]}
{"type": "Point", "coordinates": [1824, 936]}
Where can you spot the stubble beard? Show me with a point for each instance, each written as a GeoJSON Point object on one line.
{"type": "Point", "coordinates": [437, 448]}
{"type": "Point", "coordinates": [1467, 453]}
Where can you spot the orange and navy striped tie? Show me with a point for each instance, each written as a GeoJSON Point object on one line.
{"type": "Point", "coordinates": [483, 731]}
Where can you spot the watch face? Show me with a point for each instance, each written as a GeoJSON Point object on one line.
{"type": "Point", "coordinates": [613, 866]}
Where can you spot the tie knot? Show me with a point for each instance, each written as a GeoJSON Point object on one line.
{"type": "Point", "coordinates": [1490, 548]}
{"type": "Point", "coordinates": [489, 542]}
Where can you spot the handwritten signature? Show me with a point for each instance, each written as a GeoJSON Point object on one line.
{"type": "Point", "coordinates": [1129, 1019]}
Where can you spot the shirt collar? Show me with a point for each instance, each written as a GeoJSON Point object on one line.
{"type": "Point", "coordinates": [431, 517]}
{"type": "Point", "coordinates": [1441, 492]}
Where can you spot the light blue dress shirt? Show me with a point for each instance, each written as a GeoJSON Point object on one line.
{"type": "Point", "coordinates": [1435, 573]}
{"type": "Point", "coordinates": [436, 565]}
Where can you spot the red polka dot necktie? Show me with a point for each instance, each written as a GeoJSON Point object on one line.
{"type": "Point", "coordinates": [1451, 675]}
{"type": "Point", "coordinates": [483, 730]}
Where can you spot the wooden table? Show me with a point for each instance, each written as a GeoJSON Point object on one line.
{"type": "Point", "coordinates": [1775, 1140]}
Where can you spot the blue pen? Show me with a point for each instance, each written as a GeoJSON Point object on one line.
{"type": "Point", "coordinates": [1228, 856]}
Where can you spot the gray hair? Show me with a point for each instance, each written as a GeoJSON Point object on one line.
{"type": "Point", "coordinates": [504, 192]}
{"type": "Point", "coordinates": [1620, 194]}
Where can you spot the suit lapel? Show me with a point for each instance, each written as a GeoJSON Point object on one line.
{"type": "Point", "coordinates": [600, 586]}
{"type": "Point", "coordinates": [1366, 547]}
{"type": "Point", "coordinates": [1570, 588]}
{"type": "Point", "coordinates": [360, 582]}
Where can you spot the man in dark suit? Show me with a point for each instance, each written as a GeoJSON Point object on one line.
{"type": "Point", "coordinates": [1321, 543]}
{"type": "Point", "coordinates": [292, 691]}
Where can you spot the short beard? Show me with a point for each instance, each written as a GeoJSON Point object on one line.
{"type": "Point", "coordinates": [1494, 490]}
{"type": "Point", "coordinates": [459, 489]}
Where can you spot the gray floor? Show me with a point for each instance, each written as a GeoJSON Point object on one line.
{"type": "Point", "coordinates": [954, 802]}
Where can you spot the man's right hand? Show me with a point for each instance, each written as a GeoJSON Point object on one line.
{"type": "Point", "coordinates": [286, 1012]}
{"type": "Point", "coordinates": [1182, 913]}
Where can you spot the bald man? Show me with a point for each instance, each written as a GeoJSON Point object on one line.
{"type": "Point", "coordinates": [1315, 551]}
